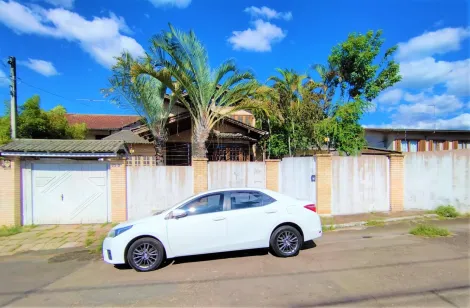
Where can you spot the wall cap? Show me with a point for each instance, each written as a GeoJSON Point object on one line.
{"type": "Point", "coordinates": [396, 155]}
{"type": "Point", "coordinates": [323, 155]}
{"type": "Point", "coordinates": [199, 159]}
{"type": "Point", "coordinates": [272, 160]}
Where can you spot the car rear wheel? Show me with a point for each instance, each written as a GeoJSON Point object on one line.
{"type": "Point", "coordinates": [146, 254]}
{"type": "Point", "coordinates": [286, 241]}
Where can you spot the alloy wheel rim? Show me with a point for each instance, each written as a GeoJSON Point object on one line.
{"type": "Point", "coordinates": [145, 255]}
{"type": "Point", "coordinates": [287, 242]}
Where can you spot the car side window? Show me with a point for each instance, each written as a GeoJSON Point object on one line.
{"type": "Point", "coordinates": [205, 205]}
{"type": "Point", "coordinates": [248, 199]}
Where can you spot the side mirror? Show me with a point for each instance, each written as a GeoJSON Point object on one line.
{"type": "Point", "coordinates": [177, 213]}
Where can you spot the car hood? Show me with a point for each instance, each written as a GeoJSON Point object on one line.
{"type": "Point", "coordinates": [139, 221]}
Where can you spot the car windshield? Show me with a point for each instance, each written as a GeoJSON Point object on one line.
{"type": "Point", "coordinates": [158, 212]}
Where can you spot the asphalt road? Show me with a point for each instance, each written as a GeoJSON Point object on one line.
{"type": "Point", "coordinates": [375, 267]}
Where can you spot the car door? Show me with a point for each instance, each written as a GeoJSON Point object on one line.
{"type": "Point", "coordinates": [250, 216]}
{"type": "Point", "coordinates": [203, 230]}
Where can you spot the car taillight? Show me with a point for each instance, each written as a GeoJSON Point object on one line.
{"type": "Point", "coordinates": [311, 207]}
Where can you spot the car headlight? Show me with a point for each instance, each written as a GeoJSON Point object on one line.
{"type": "Point", "coordinates": [116, 232]}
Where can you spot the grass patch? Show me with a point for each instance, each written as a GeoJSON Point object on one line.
{"type": "Point", "coordinates": [446, 211]}
{"type": "Point", "coordinates": [91, 233]}
{"type": "Point", "coordinates": [429, 231]}
{"type": "Point", "coordinates": [114, 224]}
{"type": "Point", "coordinates": [105, 224]}
{"type": "Point", "coordinates": [89, 241]}
{"type": "Point", "coordinates": [8, 231]}
{"type": "Point", "coordinates": [99, 248]}
{"type": "Point", "coordinates": [326, 228]}
{"type": "Point", "coordinates": [375, 223]}
{"type": "Point", "coordinates": [327, 224]}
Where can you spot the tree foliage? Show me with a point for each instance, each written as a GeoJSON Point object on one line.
{"type": "Point", "coordinates": [209, 95]}
{"type": "Point", "coordinates": [145, 94]}
{"type": "Point", "coordinates": [36, 123]}
{"type": "Point", "coordinates": [323, 112]}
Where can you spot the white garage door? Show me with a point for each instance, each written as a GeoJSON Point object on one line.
{"type": "Point", "coordinates": [71, 193]}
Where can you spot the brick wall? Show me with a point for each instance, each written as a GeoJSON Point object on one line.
{"type": "Point", "coordinates": [396, 182]}
{"type": "Point", "coordinates": [10, 200]}
{"type": "Point", "coordinates": [272, 174]}
{"type": "Point", "coordinates": [118, 190]}
{"type": "Point", "coordinates": [200, 174]}
{"type": "Point", "coordinates": [324, 183]}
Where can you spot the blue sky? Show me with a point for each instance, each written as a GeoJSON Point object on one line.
{"type": "Point", "coordinates": [65, 47]}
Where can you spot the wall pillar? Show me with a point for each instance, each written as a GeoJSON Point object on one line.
{"type": "Point", "coordinates": [10, 192]}
{"type": "Point", "coordinates": [200, 174]}
{"type": "Point", "coordinates": [118, 175]}
{"type": "Point", "coordinates": [272, 174]}
{"type": "Point", "coordinates": [397, 193]}
{"type": "Point", "coordinates": [324, 183]}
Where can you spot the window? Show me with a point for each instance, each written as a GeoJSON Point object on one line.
{"type": "Point", "coordinates": [404, 146]}
{"type": "Point", "coordinates": [464, 145]}
{"type": "Point", "coordinates": [413, 146]}
{"type": "Point", "coordinates": [205, 205]}
{"type": "Point", "coordinates": [248, 199]}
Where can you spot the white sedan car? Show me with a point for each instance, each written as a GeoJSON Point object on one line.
{"type": "Point", "coordinates": [215, 221]}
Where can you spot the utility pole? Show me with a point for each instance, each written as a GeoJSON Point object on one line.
{"type": "Point", "coordinates": [13, 109]}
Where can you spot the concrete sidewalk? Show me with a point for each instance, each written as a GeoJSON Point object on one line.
{"type": "Point", "coordinates": [50, 237]}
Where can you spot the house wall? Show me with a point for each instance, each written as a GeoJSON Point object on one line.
{"type": "Point", "coordinates": [437, 178]}
{"type": "Point", "coordinates": [143, 149]}
{"type": "Point", "coordinates": [417, 141]}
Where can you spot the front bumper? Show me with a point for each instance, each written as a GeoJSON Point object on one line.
{"type": "Point", "coordinates": [113, 251]}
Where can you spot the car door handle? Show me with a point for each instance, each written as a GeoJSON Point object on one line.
{"type": "Point", "coordinates": [271, 211]}
{"type": "Point", "coordinates": [218, 218]}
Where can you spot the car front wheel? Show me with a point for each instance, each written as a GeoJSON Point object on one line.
{"type": "Point", "coordinates": [146, 254]}
{"type": "Point", "coordinates": [286, 241]}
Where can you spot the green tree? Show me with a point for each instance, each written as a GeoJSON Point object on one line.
{"type": "Point", "coordinates": [354, 76]}
{"type": "Point", "coordinates": [209, 95]}
{"type": "Point", "coordinates": [146, 95]}
{"type": "Point", "coordinates": [293, 111]}
{"type": "Point", "coordinates": [35, 123]}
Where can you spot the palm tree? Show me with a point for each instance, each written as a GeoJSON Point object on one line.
{"type": "Point", "coordinates": [209, 95]}
{"type": "Point", "coordinates": [289, 92]}
{"type": "Point", "coordinates": [146, 95]}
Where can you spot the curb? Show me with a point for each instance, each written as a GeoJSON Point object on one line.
{"type": "Point", "coordinates": [363, 223]}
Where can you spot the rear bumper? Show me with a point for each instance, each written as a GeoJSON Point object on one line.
{"type": "Point", "coordinates": [113, 251]}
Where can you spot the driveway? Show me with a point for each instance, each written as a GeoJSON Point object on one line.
{"type": "Point", "coordinates": [379, 266]}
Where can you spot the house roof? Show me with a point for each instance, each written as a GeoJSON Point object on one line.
{"type": "Point", "coordinates": [102, 121]}
{"type": "Point", "coordinates": [128, 137]}
{"type": "Point", "coordinates": [240, 136]}
{"type": "Point", "coordinates": [418, 130]}
{"type": "Point", "coordinates": [21, 147]}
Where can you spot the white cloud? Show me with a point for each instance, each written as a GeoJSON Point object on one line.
{"type": "Point", "coordinates": [168, 3]}
{"type": "Point", "coordinates": [45, 68]}
{"type": "Point", "coordinates": [432, 43]}
{"type": "Point", "coordinates": [423, 107]}
{"type": "Point", "coordinates": [68, 4]}
{"type": "Point", "coordinates": [4, 80]}
{"type": "Point", "coordinates": [428, 72]}
{"type": "Point", "coordinates": [392, 96]}
{"type": "Point", "coordinates": [268, 13]}
{"type": "Point", "coordinates": [258, 39]}
{"type": "Point", "coordinates": [101, 37]}
{"type": "Point", "coordinates": [461, 121]}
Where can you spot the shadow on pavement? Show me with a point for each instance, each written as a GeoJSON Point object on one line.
{"type": "Point", "coordinates": [217, 256]}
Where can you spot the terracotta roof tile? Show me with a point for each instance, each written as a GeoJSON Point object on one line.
{"type": "Point", "coordinates": [102, 121]}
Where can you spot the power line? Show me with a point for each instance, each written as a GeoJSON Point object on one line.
{"type": "Point", "coordinates": [49, 92]}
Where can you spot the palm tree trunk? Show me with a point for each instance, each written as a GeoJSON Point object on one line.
{"type": "Point", "coordinates": [159, 144]}
{"type": "Point", "coordinates": [201, 133]}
